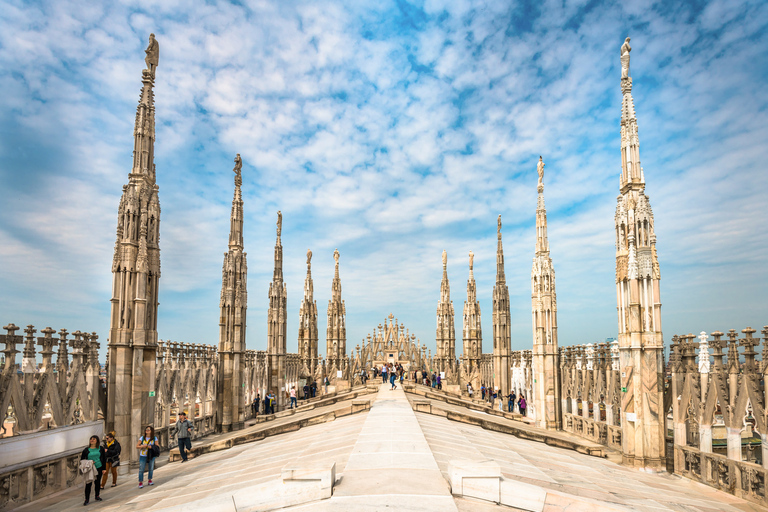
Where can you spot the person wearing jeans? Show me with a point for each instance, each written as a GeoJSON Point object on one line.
{"type": "Point", "coordinates": [145, 444]}
{"type": "Point", "coordinates": [293, 397]}
{"type": "Point", "coordinates": [184, 429]}
{"type": "Point", "coordinates": [98, 455]}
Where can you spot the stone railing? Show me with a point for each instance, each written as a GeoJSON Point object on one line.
{"type": "Point", "coordinates": [743, 479]}
{"type": "Point", "coordinates": [48, 410]}
{"type": "Point", "coordinates": [716, 402]}
{"type": "Point", "coordinates": [591, 387]}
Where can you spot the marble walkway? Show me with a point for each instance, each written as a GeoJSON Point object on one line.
{"type": "Point", "coordinates": [392, 458]}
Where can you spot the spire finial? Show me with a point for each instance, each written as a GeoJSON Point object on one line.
{"type": "Point", "coordinates": [153, 55]}
{"type": "Point", "coordinates": [471, 260]}
{"type": "Point", "coordinates": [309, 258]}
{"type": "Point", "coordinates": [445, 260]}
{"type": "Point", "coordinates": [238, 169]}
{"type": "Point", "coordinates": [279, 223]}
{"type": "Point", "coordinates": [625, 49]}
{"type": "Point", "coordinates": [498, 227]}
{"type": "Point", "coordinates": [540, 171]}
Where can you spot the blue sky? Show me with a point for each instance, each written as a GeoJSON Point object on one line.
{"type": "Point", "coordinates": [391, 130]}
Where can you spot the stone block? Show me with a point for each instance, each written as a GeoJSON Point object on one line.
{"type": "Point", "coordinates": [360, 405]}
{"type": "Point", "coordinates": [475, 479]}
{"type": "Point", "coordinates": [422, 406]}
{"type": "Point", "coordinates": [297, 485]}
{"type": "Point", "coordinates": [522, 496]}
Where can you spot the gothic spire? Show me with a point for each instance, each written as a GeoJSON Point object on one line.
{"type": "Point", "coordinates": [472, 328]}
{"type": "Point", "coordinates": [542, 242]}
{"type": "Point", "coordinates": [278, 273]}
{"type": "Point", "coordinates": [632, 176]}
{"type": "Point", "coordinates": [445, 351]}
{"type": "Point", "coordinates": [232, 317]}
{"type": "Point", "coordinates": [501, 320]}
{"type": "Point", "coordinates": [336, 332]}
{"type": "Point", "coordinates": [308, 321]}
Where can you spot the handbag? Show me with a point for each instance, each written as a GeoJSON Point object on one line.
{"type": "Point", "coordinates": [155, 450]}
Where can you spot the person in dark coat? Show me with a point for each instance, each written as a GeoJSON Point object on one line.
{"type": "Point", "coordinates": [112, 448]}
{"type": "Point", "coordinates": [98, 455]}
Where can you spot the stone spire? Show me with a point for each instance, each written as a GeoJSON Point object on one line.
{"type": "Point", "coordinates": [641, 346]}
{"type": "Point", "coordinates": [308, 322]}
{"type": "Point", "coordinates": [276, 322]}
{"type": "Point", "coordinates": [546, 399]}
{"type": "Point", "coordinates": [232, 318]}
{"type": "Point", "coordinates": [472, 333]}
{"type": "Point", "coordinates": [501, 321]}
{"type": "Point", "coordinates": [135, 280]}
{"type": "Point", "coordinates": [336, 333]}
{"type": "Point", "coordinates": [445, 338]}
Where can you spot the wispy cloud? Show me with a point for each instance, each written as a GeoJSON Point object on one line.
{"type": "Point", "coordinates": [391, 130]}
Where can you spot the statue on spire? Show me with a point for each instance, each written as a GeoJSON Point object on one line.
{"type": "Point", "coordinates": [153, 54]}
{"type": "Point", "coordinates": [238, 170]}
{"type": "Point", "coordinates": [445, 258]}
{"type": "Point", "coordinates": [279, 223]}
{"type": "Point", "coordinates": [540, 170]}
{"type": "Point", "coordinates": [336, 256]}
{"type": "Point", "coordinates": [471, 260]}
{"type": "Point", "coordinates": [309, 257]}
{"type": "Point", "coordinates": [498, 226]}
{"type": "Point", "coordinates": [625, 49]}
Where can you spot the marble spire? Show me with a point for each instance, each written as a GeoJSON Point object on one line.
{"type": "Point", "coordinates": [232, 319]}
{"type": "Point", "coordinates": [445, 352]}
{"type": "Point", "coordinates": [501, 320]}
{"type": "Point", "coordinates": [308, 322]}
{"type": "Point", "coordinates": [472, 337]}
{"type": "Point", "coordinates": [641, 346]}
{"type": "Point", "coordinates": [135, 280]}
{"type": "Point", "coordinates": [276, 322]}
{"type": "Point", "coordinates": [546, 400]}
{"type": "Point", "coordinates": [336, 331]}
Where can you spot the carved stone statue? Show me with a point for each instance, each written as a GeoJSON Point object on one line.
{"type": "Point", "coordinates": [471, 259]}
{"type": "Point", "coordinates": [540, 170]}
{"type": "Point", "coordinates": [625, 49]}
{"type": "Point", "coordinates": [153, 54]}
{"type": "Point", "coordinates": [498, 226]}
{"type": "Point", "coordinates": [238, 165]}
{"type": "Point", "coordinates": [309, 256]}
{"type": "Point", "coordinates": [279, 223]}
{"type": "Point", "coordinates": [336, 256]}
{"type": "Point", "coordinates": [445, 258]}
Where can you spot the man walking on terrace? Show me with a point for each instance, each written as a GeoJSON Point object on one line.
{"type": "Point", "coordinates": [184, 429]}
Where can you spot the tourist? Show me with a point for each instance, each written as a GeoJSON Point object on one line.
{"type": "Point", "coordinates": [384, 374]}
{"type": "Point", "coordinates": [98, 455]}
{"type": "Point", "coordinates": [482, 392]}
{"type": "Point", "coordinates": [255, 406]}
{"type": "Point", "coordinates": [392, 380]}
{"type": "Point", "coordinates": [313, 389]}
{"type": "Point", "coordinates": [306, 391]}
{"type": "Point", "coordinates": [470, 390]}
{"type": "Point", "coordinates": [511, 401]}
{"type": "Point", "coordinates": [439, 382]}
{"type": "Point", "coordinates": [272, 398]}
{"type": "Point", "coordinates": [266, 403]}
{"type": "Point", "coordinates": [183, 431]}
{"type": "Point", "coordinates": [145, 444]}
{"type": "Point", "coordinates": [293, 397]}
{"type": "Point", "coordinates": [402, 374]}
{"type": "Point", "coordinates": [521, 404]}
{"type": "Point", "coordinates": [434, 380]}
{"type": "Point", "coordinates": [112, 450]}
{"type": "Point", "coordinates": [326, 383]}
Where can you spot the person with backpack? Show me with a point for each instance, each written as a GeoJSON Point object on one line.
{"type": "Point", "coordinates": [183, 431]}
{"type": "Point", "coordinates": [146, 447]}
{"type": "Point", "coordinates": [521, 404]}
{"type": "Point", "coordinates": [97, 455]}
{"type": "Point", "coordinates": [112, 450]}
